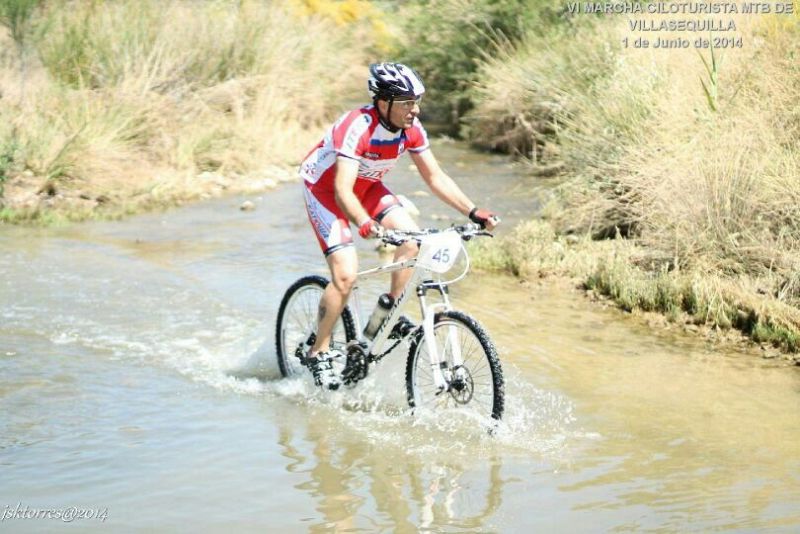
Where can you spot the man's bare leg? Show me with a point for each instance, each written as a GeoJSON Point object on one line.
{"type": "Point", "coordinates": [343, 265]}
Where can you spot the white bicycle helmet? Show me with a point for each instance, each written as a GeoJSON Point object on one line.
{"type": "Point", "coordinates": [388, 81]}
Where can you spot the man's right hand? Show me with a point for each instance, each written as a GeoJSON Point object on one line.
{"type": "Point", "coordinates": [369, 228]}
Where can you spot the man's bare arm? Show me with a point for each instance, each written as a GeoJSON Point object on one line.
{"type": "Point", "coordinates": [440, 183]}
{"type": "Point", "coordinates": [445, 187]}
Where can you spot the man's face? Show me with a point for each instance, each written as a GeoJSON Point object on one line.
{"type": "Point", "coordinates": [403, 111]}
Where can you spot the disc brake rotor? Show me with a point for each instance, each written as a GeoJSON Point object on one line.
{"type": "Point", "coordinates": [462, 387]}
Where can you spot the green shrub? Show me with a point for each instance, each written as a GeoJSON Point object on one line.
{"type": "Point", "coordinates": [446, 41]}
{"type": "Point", "coordinates": [16, 15]}
{"type": "Point", "coordinates": [8, 153]}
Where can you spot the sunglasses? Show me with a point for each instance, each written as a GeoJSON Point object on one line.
{"type": "Point", "coordinates": [408, 105]}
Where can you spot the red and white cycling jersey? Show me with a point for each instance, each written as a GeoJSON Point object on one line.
{"type": "Point", "coordinates": [359, 135]}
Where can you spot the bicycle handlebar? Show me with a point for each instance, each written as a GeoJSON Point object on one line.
{"type": "Point", "coordinates": [398, 237]}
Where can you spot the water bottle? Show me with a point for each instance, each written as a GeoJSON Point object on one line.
{"type": "Point", "coordinates": [385, 303]}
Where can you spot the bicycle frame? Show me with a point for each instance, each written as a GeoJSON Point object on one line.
{"type": "Point", "coordinates": [437, 254]}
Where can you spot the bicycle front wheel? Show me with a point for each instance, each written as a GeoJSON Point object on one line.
{"type": "Point", "coordinates": [475, 384]}
{"type": "Point", "coordinates": [297, 323]}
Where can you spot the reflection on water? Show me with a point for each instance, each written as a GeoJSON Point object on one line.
{"type": "Point", "coordinates": [357, 486]}
{"type": "Point", "coordinates": [137, 372]}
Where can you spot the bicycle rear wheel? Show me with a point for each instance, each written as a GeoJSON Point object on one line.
{"type": "Point", "coordinates": [476, 385]}
{"type": "Point", "coordinates": [297, 323]}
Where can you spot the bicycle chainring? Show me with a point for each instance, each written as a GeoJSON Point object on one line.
{"type": "Point", "coordinates": [356, 367]}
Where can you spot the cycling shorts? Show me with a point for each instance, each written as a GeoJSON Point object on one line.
{"type": "Point", "coordinates": [329, 221]}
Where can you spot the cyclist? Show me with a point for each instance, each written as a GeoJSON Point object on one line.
{"type": "Point", "coordinates": [343, 183]}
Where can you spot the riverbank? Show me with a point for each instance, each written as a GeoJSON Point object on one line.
{"type": "Point", "coordinates": [620, 272]}
{"type": "Point", "coordinates": [27, 202]}
{"type": "Point", "coordinates": [108, 109]}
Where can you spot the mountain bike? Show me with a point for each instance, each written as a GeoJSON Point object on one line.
{"type": "Point", "coordinates": [451, 363]}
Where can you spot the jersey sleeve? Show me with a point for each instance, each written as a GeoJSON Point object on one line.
{"type": "Point", "coordinates": [351, 135]}
{"type": "Point", "coordinates": [417, 137]}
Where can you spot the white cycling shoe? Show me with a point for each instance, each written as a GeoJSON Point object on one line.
{"type": "Point", "coordinates": [321, 366]}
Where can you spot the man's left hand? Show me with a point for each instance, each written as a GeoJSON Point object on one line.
{"type": "Point", "coordinates": [485, 218]}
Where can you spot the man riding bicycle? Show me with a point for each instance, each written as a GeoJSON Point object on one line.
{"type": "Point", "coordinates": [343, 179]}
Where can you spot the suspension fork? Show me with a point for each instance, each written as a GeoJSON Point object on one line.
{"type": "Point", "coordinates": [441, 373]}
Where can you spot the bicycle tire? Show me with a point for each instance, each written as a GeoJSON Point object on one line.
{"type": "Point", "coordinates": [489, 375]}
{"type": "Point", "coordinates": [297, 311]}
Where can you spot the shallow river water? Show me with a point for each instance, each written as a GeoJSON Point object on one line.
{"type": "Point", "coordinates": [137, 376]}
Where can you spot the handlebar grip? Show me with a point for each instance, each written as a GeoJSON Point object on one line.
{"type": "Point", "coordinates": [390, 237]}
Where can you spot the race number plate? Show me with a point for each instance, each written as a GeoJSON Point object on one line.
{"type": "Point", "coordinates": [439, 252]}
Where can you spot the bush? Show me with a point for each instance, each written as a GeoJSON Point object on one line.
{"type": "Point", "coordinates": [710, 192]}
{"type": "Point", "coordinates": [646, 155]}
{"type": "Point", "coordinates": [16, 15]}
{"type": "Point", "coordinates": [448, 47]}
{"type": "Point", "coordinates": [8, 150]}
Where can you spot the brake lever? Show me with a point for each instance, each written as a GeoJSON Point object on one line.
{"type": "Point", "coordinates": [389, 237]}
{"type": "Point", "coordinates": [467, 237]}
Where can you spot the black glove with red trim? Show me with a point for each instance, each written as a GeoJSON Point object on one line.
{"type": "Point", "coordinates": [481, 216]}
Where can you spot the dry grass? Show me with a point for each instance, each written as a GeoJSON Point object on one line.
{"type": "Point", "coordinates": [636, 278]}
{"type": "Point", "coordinates": [710, 193]}
{"type": "Point", "coordinates": [133, 96]}
{"type": "Point", "coordinates": [718, 191]}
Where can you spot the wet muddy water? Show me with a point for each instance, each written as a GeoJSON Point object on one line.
{"type": "Point", "coordinates": [137, 375]}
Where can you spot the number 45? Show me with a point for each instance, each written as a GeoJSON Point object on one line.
{"type": "Point", "coordinates": [442, 255]}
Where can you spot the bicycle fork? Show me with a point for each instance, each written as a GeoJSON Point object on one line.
{"type": "Point", "coordinates": [442, 373]}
